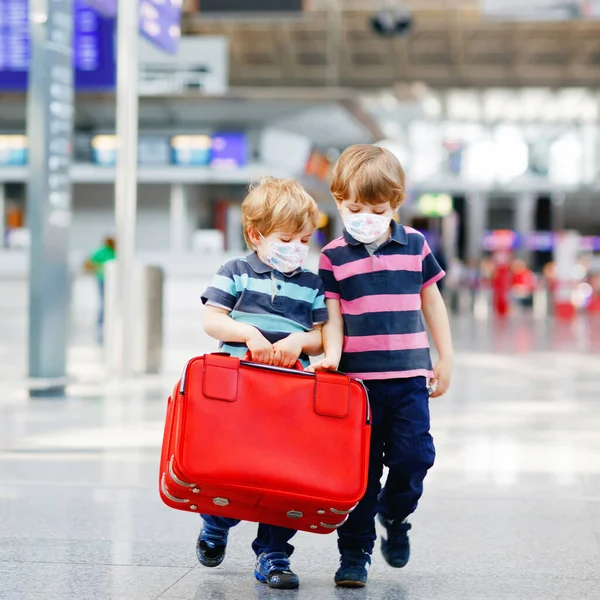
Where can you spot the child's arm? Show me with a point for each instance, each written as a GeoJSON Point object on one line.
{"type": "Point", "coordinates": [436, 317]}
{"type": "Point", "coordinates": [333, 338]}
{"type": "Point", "coordinates": [218, 324]}
{"type": "Point", "coordinates": [287, 351]}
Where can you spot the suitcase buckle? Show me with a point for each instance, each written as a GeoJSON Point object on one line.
{"type": "Point", "coordinates": [221, 501]}
{"type": "Point", "coordinates": [295, 514]}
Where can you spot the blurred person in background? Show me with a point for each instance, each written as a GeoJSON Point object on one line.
{"type": "Point", "coordinates": [95, 265]}
{"type": "Point", "coordinates": [523, 284]}
{"type": "Point", "coordinates": [501, 284]}
{"type": "Point", "coordinates": [472, 278]}
{"type": "Point", "coordinates": [455, 278]}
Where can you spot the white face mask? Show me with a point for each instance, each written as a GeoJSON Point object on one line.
{"type": "Point", "coordinates": [366, 227]}
{"type": "Point", "coordinates": [285, 257]}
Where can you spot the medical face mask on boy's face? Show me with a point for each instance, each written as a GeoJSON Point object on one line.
{"type": "Point", "coordinates": [284, 257]}
{"type": "Point", "coordinates": [366, 227]}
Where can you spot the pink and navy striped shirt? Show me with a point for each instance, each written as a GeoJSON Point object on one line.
{"type": "Point", "coordinates": [380, 297]}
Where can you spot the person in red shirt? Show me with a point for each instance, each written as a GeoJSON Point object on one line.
{"type": "Point", "coordinates": [523, 283]}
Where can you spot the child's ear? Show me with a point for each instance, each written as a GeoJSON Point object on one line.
{"type": "Point", "coordinates": [254, 236]}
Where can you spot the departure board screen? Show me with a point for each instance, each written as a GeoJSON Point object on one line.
{"type": "Point", "coordinates": [93, 42]}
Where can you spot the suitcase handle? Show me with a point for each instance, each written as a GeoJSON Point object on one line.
{"type": "Point", "coordinates": [247, 360]}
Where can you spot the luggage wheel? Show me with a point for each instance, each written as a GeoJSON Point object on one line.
{"type": "Point", "coordinates": [175, 478]}
{"type": "Point", "coordinates": [167, 494]}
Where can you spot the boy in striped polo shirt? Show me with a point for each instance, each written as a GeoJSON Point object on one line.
{"type": "Point", "coordinates": [268, 306]}
{"type": "Point", "coordinates": [379, 283]}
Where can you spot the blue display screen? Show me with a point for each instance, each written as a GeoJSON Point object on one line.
{"type": "Point", "coordinates": [94, 57]}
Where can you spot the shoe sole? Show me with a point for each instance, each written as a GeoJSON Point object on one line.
{"type": "Point", "coordinates": [350, 584]}
{"type": "Point", "coordinates": [262, 579]}
{"type": "Point", "coordinates": [210, 563]}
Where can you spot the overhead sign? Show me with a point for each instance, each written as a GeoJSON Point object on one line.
{"type": "Point", "coordinates": [160, 23]}
{"type": "Point", "coordinates": [435, 205]}
{"type": "Point", "coordinates": [229, 150]}
{"type": "Point", "coordinates": [13, 150]}
{"type": "Point", "coordinates": [201, 64]}
{"type": "Point", "coordinates": [256, 6]}
{"type": "Point", "coordinates": [106, 8]}
{"type": "Point", "coordinates": [93, 47]}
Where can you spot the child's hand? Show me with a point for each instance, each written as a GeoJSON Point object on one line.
{"type": "Point", "coordinates": [326, 364]}
{"type": "Point", "coordinates": [287, 351]}
{"type": "Point", "coordinates": [260, 349]}
{"type": "Point", "coordinates": [443, 374]}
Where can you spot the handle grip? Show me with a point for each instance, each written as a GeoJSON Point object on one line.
{"type": "Point", "coordinates": [297, 367]}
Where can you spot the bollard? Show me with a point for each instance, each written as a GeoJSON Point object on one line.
{"type": "Point", "coordinates": [145, 325]}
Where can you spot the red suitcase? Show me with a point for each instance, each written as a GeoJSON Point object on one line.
{"type": "Point", "coordinates": [260, 443]}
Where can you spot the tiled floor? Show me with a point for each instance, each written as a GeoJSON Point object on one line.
{"type": "Point", "coordinates": [511, 509]}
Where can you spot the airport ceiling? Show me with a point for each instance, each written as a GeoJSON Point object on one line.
{"type": "Point", "coordinates": [450, 43]}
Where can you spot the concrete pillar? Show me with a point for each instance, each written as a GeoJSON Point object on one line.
{"type": "Point", "coordinates": [235, 239]}
{"type": "Point", "coordinates": [558, 210]}
{"type": "Point", "coordinates": [525, 220]}
{"type": "Point", "coordinates": [477, 213]}
{"type": "Point", "coordinates": [180, 218]}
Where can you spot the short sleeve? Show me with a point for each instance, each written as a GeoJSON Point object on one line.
{"type": "Point", "coordinates": [222, 290]}
{"type": "Point", "coordinates": [99, 257]}
{"type": "Point", "coordinates": [432, 272]}
{"type": "Point", "coordinates": [330, 283]}
{"type": "Point", "coordinates": [319, 310]}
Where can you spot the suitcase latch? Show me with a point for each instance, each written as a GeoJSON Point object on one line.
{"type": "Point", "coordinates": [221, 501]}
{"type": "Point", "coordinates": [295, 514]}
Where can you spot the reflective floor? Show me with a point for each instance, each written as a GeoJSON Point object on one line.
{"type": "Point", "coordinates": [511, 509]}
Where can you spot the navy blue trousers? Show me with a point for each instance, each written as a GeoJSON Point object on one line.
{"type": "Point", "coordinates": [268, 539]}
{"type": "Point", "coordinates": [400, 439]}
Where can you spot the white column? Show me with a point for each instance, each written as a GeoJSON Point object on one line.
{"type": "Point", "coordinates": [477, 209]}
{"type": "Point", "coordinates": [525, 220]}
{"type": "Point", "coordinates": [235, 240]}
{"type": "Point", "coordinates": [126, 183]}
{"type": "Point", "coordinates": [180, 218]}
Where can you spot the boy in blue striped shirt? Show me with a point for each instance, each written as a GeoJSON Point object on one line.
{"type": "Point", "coordinates": [268, 306]}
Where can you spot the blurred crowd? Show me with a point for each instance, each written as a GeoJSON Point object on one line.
{"type": "Point", "coordinates": [506, 285]}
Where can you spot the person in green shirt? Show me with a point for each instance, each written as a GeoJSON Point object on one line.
{"type": "Point", "coordinates": [95, 265]}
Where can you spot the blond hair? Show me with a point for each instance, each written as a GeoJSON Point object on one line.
{"type": "Point", "coordinates": [278, 205]}
{"type": "Point", "coordinates": [369, 174]}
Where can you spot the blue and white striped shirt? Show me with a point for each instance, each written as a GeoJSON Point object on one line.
{"type": "Point", "coordinates": [277, 304]}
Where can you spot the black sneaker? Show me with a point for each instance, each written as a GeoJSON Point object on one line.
{"type": "Point", "coordinates": [273, 568]}
{"type": "Point", "coordinates": [396, 548]}
{"type": "Point", "coordinates": [354, 570]}
{"type": "Point", "coordinates": [211, 545]}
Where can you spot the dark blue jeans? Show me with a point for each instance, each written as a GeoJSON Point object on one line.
{"type": "Point", "coordinates": [400, 439]}
{"type": "Point", "coordinates": [268, 539]}
{"type": "Point", "coordinates": [101, 303]}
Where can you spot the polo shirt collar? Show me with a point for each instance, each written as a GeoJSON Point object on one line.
{"type": "Point", "coordinates": [261, 268]}
{"type": "Point", "coordinates": [398, 235]}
